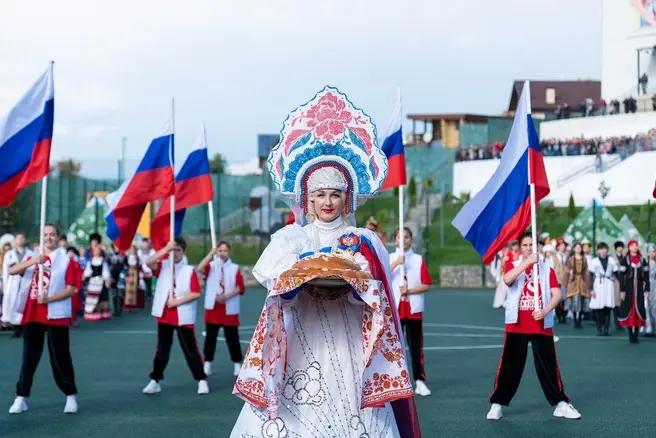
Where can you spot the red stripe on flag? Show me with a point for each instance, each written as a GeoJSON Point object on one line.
{"type": "Point", "coordinates": [188, 192]}
{"type": "Point", "coordinates": [36, 169]}
{"type": "Point", "coordinates": [396, 172]}
{"type": "Point", "coordinates": [146, 186]}
{"type": "Point", "coordinates": [127, 220]}
{"type": "Point", "coordinates": [538, 174]}
{"type": "Point", "coordinates": [511, 230]}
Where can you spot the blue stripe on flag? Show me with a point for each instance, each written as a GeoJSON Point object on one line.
{"type": "Point", "coordinates": [533, 140]}
{"type": "Point", "coordinates": [113, 231]}
{"type": "Point", "coordinates": [179, 219]}
{"type": "Point", "coordinates": [510, 196]}
{"type": "Point", "coordinates": [157, 155]}
{"type": "Point", "coordinates": [195, 165]}
{"type": "Point", "coordinates": [16, 152]}
{"type": "Point", "coordinates": [393, 144]}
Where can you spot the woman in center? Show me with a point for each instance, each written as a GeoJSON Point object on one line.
{"type": "Point", "coordinates": [326, 358]}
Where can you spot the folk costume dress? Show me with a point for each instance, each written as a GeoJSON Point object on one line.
{"type": "Point", "coordinates": [326, 360]}
{"type": "Point", "coordinates": [635, 282]}
{"type": "Point", "coordinates": [578, 287]}
{"type": "Point", "coordinates": [650, 302]}
{"type": "Point", "coordinates": [603, 273]}
{"type": "Point", "coordinates": [96, 276]}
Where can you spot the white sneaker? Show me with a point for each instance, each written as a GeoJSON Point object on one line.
{"type": "Point", "coordinates": [18, 406]}
{"type": "Point", "coordinates": [422, 389]}
{"type": "Point", "coordinates": [207, 367]}
{"type": "Point", "coordinates": [566, 410]}
{"type": "Point", "coordinates": [152, 388]}
{"type": "Point", "coordinates": [495, 413]}
{"type": "Point", "coordinates": [203, 387]}
{"type": "Point", "coordinates": [236, 368]}
{"type": "Point", "coordinates": [71, 405]}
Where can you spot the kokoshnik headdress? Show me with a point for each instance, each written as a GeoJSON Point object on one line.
{"type": "Point", "coordinates": [328, 143]}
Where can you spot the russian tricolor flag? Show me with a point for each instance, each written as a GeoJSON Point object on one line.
{"type": "Point", "coordinates": [501, 211]}
{"type": "Point", "coordinates": [392, 146]}
{"type": "Point", "coordinates": [25, 139]}
{"type": "Point", "coordinates": [152, 181]}
{"type": "Point", "coordinates": [193, 186]}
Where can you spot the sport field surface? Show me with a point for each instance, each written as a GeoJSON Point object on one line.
{"type": "Point", "coordinates": [611, 382]}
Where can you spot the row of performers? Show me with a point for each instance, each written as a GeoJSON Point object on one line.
{"type": "Point", "coordinates": [615, 284]}
{"type": "Point", "coordinates": [48, 311]}
{"type": "Point", "coordinates": [104, 275]}
{"type": "Point", "coordinates": [51, 312]}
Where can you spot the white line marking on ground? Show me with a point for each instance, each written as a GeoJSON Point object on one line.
{"type": "Point", "coordinates": [465, 326]}
{"type": "Point", "coordinates": [464, 347]}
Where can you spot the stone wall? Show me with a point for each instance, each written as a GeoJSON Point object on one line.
{"type": "Point", "coordinates": [464, 276]}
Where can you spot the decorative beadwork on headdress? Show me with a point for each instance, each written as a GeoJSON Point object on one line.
{"type": "Point", "coordinates": [328, 131]}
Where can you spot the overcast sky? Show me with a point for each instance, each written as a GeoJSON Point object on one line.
{"type": "Point", "coordinates": [241, 66]}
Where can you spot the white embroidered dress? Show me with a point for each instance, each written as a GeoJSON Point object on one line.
{"type": "Point", "coordinates": [322, 390]}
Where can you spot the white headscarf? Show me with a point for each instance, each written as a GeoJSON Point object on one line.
{"type": "Point", "coordinates": [327, 178]}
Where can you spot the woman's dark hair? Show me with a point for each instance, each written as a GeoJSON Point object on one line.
{"type": "Point", "coordinates": [406, 229]}
{"type": "Point", "coordinates": [223, 242]}
{"type": "Point", "coordinates": [181, 243]}
{"type": "Point", "coordinates": [619, 244]}
{"type": "Point", "coordinates": [73, 250]}
{"type": "Point", "coordinates": [53, 225]}
{"type": "Point", "coordinates": [602, 245]}
{"type": "Point", "coordinates": [96, 237]}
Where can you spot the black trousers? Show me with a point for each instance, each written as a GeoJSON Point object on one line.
{"type": "Point", "coordinates": [414, 334]}
{"type": "Point", "coordinates": [231, 334]}
{"type": "Point", "coordinates": [187, 339]}
{"type": "Point", "coordinates": [602, 317]}
{"type": "Point", "coordinates": [511, 368]}
{"type": "Point", "coordinates": [59, 350]}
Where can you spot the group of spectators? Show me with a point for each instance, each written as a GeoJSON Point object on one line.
{"type": "Point", "coordinates": [622, 145]}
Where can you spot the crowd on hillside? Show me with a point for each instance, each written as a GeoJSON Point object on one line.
{"type": "Point", "coordinates": [622, 145]}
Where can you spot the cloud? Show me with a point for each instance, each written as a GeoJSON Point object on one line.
{"type": "Point", "coordinates": [91, 132]}
{"type": "Point", "coordinates": [241, 66]}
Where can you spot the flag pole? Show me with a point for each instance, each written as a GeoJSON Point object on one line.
{"type": "Point", "coordinates": [42, 213]}
{"type": "Point", "coordinates": [401, 211]}
{"type": "Point", "coordinates": [534, 221]}
{"type": "Point", "coordinates": [172, 199]}
{"type": "Point", "coordinates": [210, 204]}
{"type": "Point", "coordinates": [42, 226]}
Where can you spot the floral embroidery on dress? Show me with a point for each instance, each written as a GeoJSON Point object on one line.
{"type": "Point", "coordinates": [304, 386]}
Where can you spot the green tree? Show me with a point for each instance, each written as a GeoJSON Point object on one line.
{"type": "Point", "coordinates": [571, 207]}
{"type": "Point", "coordinates": [412, 191]}
{"type": "Point", "coordinates": [217, 163]}
{"type": "Point", "coordinates": [68, 167]}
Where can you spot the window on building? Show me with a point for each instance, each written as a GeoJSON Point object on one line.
{"type": "Point", "coordinates": [550, 95]}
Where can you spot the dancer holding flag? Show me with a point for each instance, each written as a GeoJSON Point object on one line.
{"type": "Point", "coordinates": [410, 277]}
{"type": "Point", "coordinates": [501, 212]}
{"type": "Point", "coordinates": [175, 309]}
{"type": "Point", "coordinates": [223, 289]}
{"type": "Point", "coordinates": [25, 141]}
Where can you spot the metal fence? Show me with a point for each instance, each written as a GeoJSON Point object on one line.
{"type": "Point", "coordinates": [67, 197]}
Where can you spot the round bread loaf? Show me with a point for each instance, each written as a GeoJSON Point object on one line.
{"type": "Point", "coordinates": [326, 266]}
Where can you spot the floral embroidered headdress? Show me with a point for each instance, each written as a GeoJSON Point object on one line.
{"type": "Point", "coordinates": [328, 132]}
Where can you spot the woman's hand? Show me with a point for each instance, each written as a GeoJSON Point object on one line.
{"type": "Point", "coordinates": [172, 302]}
{"type": "Point", "coordinates": [538, 314]}
{"type": "Point", "coordinates": [42, 299]}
